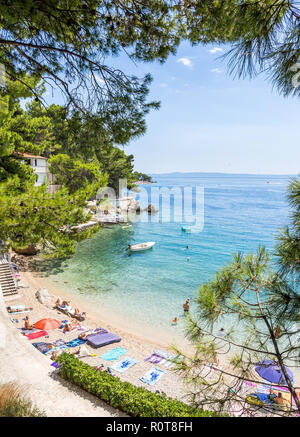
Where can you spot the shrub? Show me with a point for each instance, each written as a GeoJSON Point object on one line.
{"type": "Point", "coordinates": [135, 401]}
{"type": "Point", "coordinates": [13, 404]}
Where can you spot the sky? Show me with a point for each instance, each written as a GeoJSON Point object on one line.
{"type": "Point", "coordinates": [211, 122]}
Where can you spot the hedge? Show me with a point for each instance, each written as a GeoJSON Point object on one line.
{"type": "Point", "coordinates": [134, 401]}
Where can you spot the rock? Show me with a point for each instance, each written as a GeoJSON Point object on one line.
{"type": "Point", "coordinates": [30, 250]}
{"type": "Point", "coordinates": [151, 209]}
{"type": "Point", "coordinates": [43, 297]}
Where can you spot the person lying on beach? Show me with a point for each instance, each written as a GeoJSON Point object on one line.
{"type": "Point", "coordinates": [279, 399]}
{"type": "Point", "coordinates": [27, 325]}
{"type": "Point", "coordinates": [277, 331]}
{"type": "Point", "coordinates": [18, 310]}
{"type": "Point", "coordinates": [78, 313]}
{"type": "Point", "coordinates": [70, 326]}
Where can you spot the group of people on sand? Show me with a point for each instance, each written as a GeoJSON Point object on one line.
{"type": "Point", "coordinates": [66, 305]}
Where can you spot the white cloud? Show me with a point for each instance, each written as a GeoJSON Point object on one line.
{"type": "Point", "coordinates": [163, 84]}
{"type": "Point", "coordinates": [216, 70]}
{"type": "Point", "coordinates": [215, 50]}
{"type": "Point", "coordinates": [186, 62]}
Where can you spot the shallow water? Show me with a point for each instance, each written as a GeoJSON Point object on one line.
{"type": "Point", "coordinates": [148, 289]}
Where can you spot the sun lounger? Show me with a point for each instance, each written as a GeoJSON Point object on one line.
{"type": "Point", "coordinates": [69, 311]}
{"type": "Point", "coordinates": [102, 339]}
{"type": "Point", "coordinates": [152, 376]}
{"type": "Point", "coordinates": [124, 364]}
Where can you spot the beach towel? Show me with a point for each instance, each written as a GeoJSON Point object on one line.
{"type": "Point", "coordinates": [43, 347]}
{"type": "Point", "coordinates": [152, 376]}
{"type": "Point", "coordinates": [74, 343]}
{"type": "Point", "coordinates": [17, 307]}
{"type": "Point", "coordinates": [214, 372]}
{"type": "Point", "coordinates": [123, 365]}
{"type": "Point", "coordinates": [59, 343]}
{"type": "Point", "coordinates": [114, 354]}
{"type": "Point", "coordinates": [38, 334]}
{"type": "Point", "coordinates": [27, 331]}
{"type": "Point", "coordinates": [155, 359]}
{"type": "Point", "coordinates": [164, 354]}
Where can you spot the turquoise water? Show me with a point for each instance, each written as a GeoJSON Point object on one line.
{"type": "Point", "coordinates": [241, 212]}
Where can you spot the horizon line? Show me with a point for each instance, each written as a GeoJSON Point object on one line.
{"type": "Point", "coordinates": [225, 173]}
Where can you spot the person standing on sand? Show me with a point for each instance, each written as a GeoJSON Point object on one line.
{"type": "Point", "coordinates": [186, 306]}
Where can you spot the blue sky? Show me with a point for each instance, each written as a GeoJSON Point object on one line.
{"type": "Point", "coordinates": [211, 122]}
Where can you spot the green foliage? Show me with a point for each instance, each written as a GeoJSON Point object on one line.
{"type": "Point", "coordinates": [74, 173]}
{"type": "Point", "coordinates": [288, 249]}
{"type": "Point", "coordinates": [69, 45]}
{"type": "Point", "coordinates": [38, 218]}
{"type": "Point", "coordinates": [13, 404]}
{"type": "Point", "coordinates": [259, 304]}
{"type": "Point", "coordinates": [138, 176]}
{"type": "Point", "coordinates": [135, 401]}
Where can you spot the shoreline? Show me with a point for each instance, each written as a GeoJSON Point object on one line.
{"type": "Point", "coordinates": [136, 345]}
{"type": "Point", "coordinates": [150, 336]}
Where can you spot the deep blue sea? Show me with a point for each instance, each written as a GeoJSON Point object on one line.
{"type": "Point", "coordinates": [237, 213]}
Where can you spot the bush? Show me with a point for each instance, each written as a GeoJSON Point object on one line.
{"type": "Point", "coordinates": [135, 401]}
{"type": "Point", "coordinates": [12, 403]}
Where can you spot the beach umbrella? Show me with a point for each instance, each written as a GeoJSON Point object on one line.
{"type": "Point", "coordinates": [47, 324]}
{"type": "Point", "coordinates": [271, 371]}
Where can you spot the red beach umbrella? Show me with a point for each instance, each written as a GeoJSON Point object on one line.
{"type": "Point", "coordinates": [47, 324]}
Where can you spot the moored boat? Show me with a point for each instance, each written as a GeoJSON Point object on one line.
{"type": "Point", "coordinates": [140, 247]}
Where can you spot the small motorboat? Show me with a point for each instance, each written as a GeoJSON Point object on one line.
{"type": "Point", "coordinates": [186, 229]}
{"type": "Point", "coordinates": [140, 247]}
{"type": "Point", "coordinates": [126, 226]}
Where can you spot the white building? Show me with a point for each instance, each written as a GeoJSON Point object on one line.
{"type": "Point", "coordinates": [40, 167]}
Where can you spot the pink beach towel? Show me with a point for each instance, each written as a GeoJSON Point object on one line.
{"type": "Point", "coordinates": [36, 335]}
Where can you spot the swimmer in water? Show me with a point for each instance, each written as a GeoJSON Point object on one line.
{"type": "Point", "coordinates": [187, 247]}
{"type": "Point", "coordinates": [188, 258]}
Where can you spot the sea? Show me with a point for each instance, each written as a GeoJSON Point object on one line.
{"type": "Point", "coordinates": [223, 214]}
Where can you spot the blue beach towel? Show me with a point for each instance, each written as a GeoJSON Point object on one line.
{"type": "Point", "coordinates": [114, 354]}
{"type": "Point", "coordinates": [123, 365]}
{"type": "Point", "coordinates": [153, 375]}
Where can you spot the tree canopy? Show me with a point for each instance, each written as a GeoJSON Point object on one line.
{"type": "Point", "coordinates": [259, 303]}
{"type": "Point", "coordinates": [71, 45]}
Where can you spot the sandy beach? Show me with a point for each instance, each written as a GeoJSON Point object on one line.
{"type": "Point", "coordinates": [139, 345]}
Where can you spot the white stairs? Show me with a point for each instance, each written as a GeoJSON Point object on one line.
{"type": "Point", "coordinates": [7, 281]}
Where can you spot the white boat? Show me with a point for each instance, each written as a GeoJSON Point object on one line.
{"type": "Point", "coordinates": [140, 247]}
